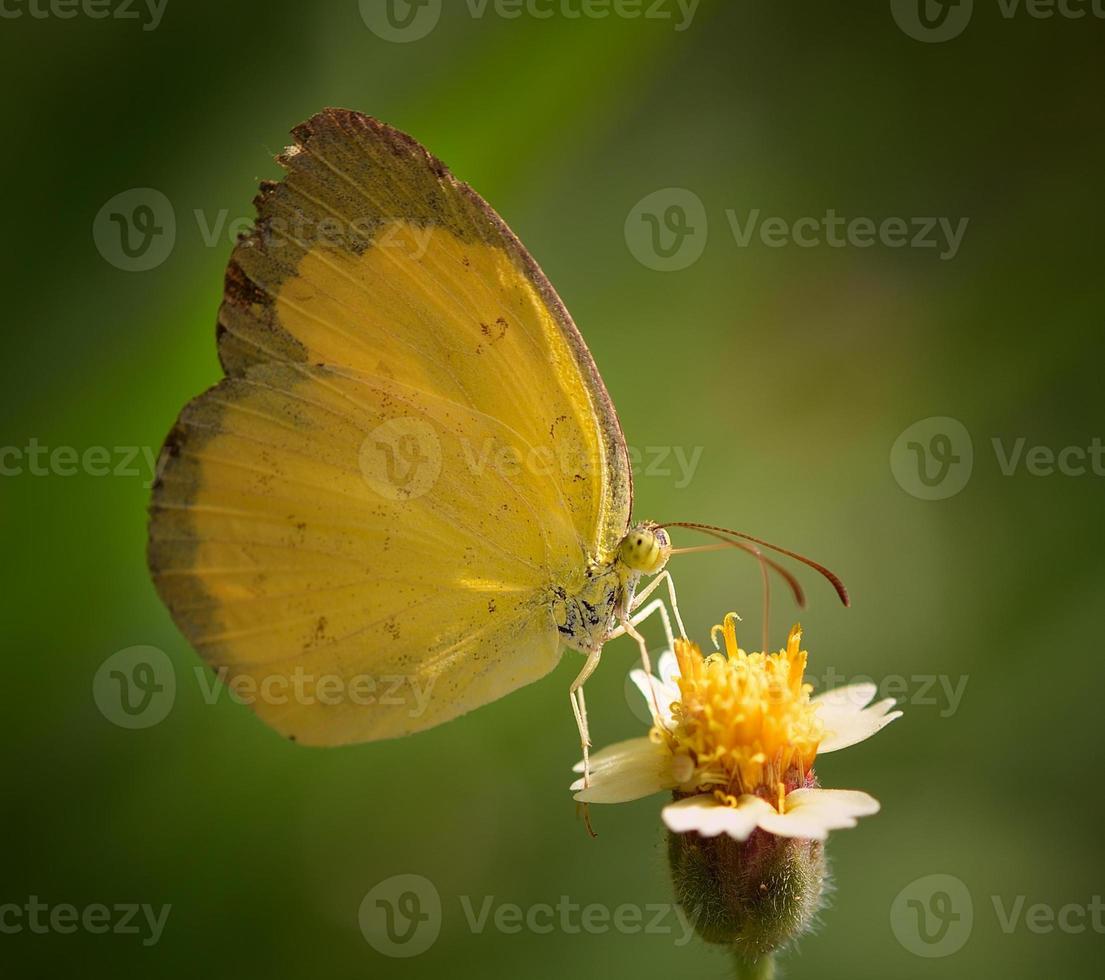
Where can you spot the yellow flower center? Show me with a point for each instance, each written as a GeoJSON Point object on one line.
{"type": "Point", "coordinates": [744, 722]}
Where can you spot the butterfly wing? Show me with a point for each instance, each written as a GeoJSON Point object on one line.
{"type": "Point", "coordinates": [361, 524]}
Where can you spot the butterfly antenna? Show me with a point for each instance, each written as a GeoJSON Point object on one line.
{"type": "Point", "coordinates": [726, 534]}
{"type": "Point", "coordinates": [784, 573]}
{"type": "Point", "coordinates": [765, 564]}
{"type": "Point", "coordinates": [767, 599]}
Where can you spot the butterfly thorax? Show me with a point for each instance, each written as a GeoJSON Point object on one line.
{"type": "Point", "coordinates": [585, 615]}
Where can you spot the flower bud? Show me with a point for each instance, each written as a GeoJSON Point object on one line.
{"type": "Point", "coordinates": [753, 896]}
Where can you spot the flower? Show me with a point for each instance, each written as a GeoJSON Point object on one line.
{"type": "Point", "coordinates": [735, 736]}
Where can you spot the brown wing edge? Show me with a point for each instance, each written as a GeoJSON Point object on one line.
{"type": "Point", "coordinates": [255, 270]}
{"type": "Point", "coordinates": [173, 552]}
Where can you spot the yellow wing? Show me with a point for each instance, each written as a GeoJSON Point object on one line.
{"type": "Point", "coordinates": [363, 522]}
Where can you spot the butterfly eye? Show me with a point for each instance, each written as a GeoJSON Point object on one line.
{"type": "Point", "coordinates": [645, 550]}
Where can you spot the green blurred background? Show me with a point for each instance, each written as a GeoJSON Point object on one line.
{"type": "Point", "coordinates": [794, 369]}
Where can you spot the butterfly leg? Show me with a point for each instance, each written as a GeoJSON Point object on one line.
{"type": "Point", "coordinates": [629, 627]}
{"type": "Point", "coordinates": [579, 709]}
{"type": "Point", "coordinates": [638, 614]}
{"type": "Point", "coordinates": [662, 578]}
{"type": "Point", "coordinates": [641, 614]}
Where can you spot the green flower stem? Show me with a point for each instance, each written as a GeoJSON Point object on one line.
{"type": "Point", "coordinates": [758, 969]}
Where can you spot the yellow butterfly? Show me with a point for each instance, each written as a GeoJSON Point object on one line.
{"type": "Point", "coordinates": [412, 470]}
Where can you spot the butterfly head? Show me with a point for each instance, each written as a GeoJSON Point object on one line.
{"type": "Point", "coordinates": [645, 549]}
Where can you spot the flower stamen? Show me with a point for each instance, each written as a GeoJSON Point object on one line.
{"type": "Point", "coordinates": [744, 721]}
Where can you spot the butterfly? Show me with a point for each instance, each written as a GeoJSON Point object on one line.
{"type": "Point", "coordinates": [412, 477]}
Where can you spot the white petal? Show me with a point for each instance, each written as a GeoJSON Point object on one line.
{"type": "Point", "coordinates": [812, 813]}
{"type": "Point", "coordinates": [626, 771]}
{"type": "Point", "coordinates": [610, 755]}
{"type": "Point", "coordinates": [851, 697]}
{"type": "Point", "coordinates": [666, 693]}
{"type": "Point", "coordinates": [847, 718]}
{"type": "Point", "coordinates": [706, 816]}
{"type": "Point", "coordinates": [667, 669]}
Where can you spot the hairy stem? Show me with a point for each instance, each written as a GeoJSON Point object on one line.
{"type": "Point", "coordinates": [762, 968]}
